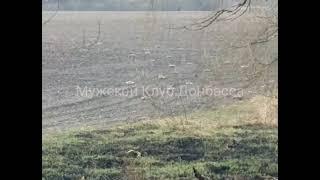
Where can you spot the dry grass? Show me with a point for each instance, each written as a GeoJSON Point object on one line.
{"type": "Point", "coordinates": [259, 110]}
{"type": "Point", "coordinates": [266, 110]}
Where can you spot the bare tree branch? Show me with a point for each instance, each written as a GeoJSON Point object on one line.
{"type": "Point", "coordinates": [232, 14]}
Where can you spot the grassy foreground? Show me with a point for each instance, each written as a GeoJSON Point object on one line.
{"type": "Point", "coordinates": [235, 142]}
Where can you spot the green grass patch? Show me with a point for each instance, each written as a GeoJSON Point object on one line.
{"type": "Point", "coordinates": [169, 149]}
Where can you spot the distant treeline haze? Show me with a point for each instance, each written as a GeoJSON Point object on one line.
{"type": "Point", "coordinates": [139, 5]}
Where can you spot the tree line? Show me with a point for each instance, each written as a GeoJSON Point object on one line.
{"type": "Point", "coordinates": [137, 5]}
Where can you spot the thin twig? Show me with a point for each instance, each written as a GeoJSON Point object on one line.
{"type": "Point", "coordinates": [98, 36]}
{"type": "Point", "coordinates": [233, 13]}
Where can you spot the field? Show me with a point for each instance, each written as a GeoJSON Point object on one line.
{"type": "Point", "coordinates": [72, 58]}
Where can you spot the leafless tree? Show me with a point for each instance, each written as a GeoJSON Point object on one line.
{"type": "Point", "coordinates": [259, 68]}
